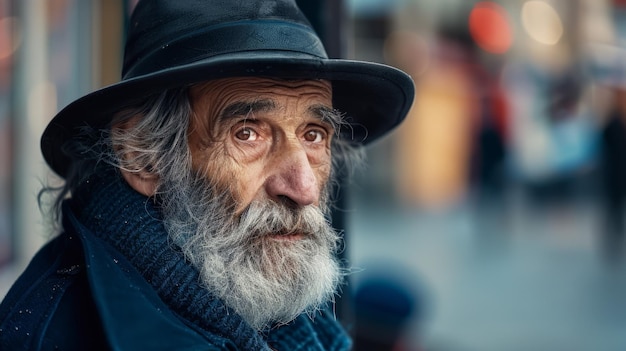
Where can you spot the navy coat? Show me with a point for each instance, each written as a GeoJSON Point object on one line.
{"type": "Point", "coordinates": [80, 294]}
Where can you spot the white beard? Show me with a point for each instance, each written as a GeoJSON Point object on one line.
{"type": "Point", "coordinates": [264, 280]}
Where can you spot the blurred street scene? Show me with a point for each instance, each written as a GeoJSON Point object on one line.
{"type": "Point", "coordinates": [491, 220]}
{"type": "Point", "coordinates": [496, 213]}
{"type": "Point", "coordinates": [531, 276]}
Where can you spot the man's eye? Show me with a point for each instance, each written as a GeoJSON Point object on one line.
{"type": "Point", "coordinates": [246, 134]}
{"type": "Point", "coordinates": [314, 136]}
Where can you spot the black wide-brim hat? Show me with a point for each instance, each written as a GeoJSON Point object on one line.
{"type": "Point", "coordinates": [173, 43]}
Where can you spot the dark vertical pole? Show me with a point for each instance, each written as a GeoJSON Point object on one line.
{"type": "Point", "coordinates": [328, 18]}
{"type": "Point", "coordinates": [334, 40]}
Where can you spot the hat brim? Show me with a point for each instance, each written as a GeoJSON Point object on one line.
{"type": "Point", "coordinates": [374, 97]}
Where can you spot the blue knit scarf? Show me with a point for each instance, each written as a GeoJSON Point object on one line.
{"type": "Point", "coordinates": [132, 224]}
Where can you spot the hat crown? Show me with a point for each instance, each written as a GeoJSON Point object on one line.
{"type": "Point", "coordinates": [159, 25]}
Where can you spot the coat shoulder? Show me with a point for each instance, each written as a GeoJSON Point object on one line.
{"type": "Point", "coordinates": [49, 306]}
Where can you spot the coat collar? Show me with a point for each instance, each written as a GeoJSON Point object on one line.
{"type": "Point", "coordinates": [130, 310]}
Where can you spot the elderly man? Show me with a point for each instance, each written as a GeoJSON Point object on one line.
{"type": "Point", "coordinates": [197, 189]}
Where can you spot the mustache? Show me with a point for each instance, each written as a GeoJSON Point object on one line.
{"type": "Point", "coordinates": [262, 218]}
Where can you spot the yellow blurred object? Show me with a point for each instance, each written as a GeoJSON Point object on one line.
{"type": "Point", "coordinates": [434, 144]}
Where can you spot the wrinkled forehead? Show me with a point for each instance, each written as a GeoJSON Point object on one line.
{"type": "Point", "coordinates": [211, 99]}
{"type": "Point", "coordinates": [251, 87]}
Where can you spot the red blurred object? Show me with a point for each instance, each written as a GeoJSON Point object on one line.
{"type": "Point", "coordinates": [489, 27]}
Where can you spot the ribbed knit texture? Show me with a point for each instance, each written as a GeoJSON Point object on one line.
{"type": "Point", "coordinates": [132, 224]}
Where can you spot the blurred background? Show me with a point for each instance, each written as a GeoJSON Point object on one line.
{"type": "Point", "coordinates": [493, 219]}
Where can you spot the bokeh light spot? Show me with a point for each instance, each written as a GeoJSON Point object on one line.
{"type": "Point", "coordinates": [489, 27]}
{"type": "Point", "coordinates": [542, 23]}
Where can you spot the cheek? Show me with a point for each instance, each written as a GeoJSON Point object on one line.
{"type": "Point", "coordinates": [210, 163]}
{"type": "Point", "coordinates": [227, 173]}
{"type": "Point", "coordinates": [322, 162]}
{"type": "Point", "coordinates": [323, 176]}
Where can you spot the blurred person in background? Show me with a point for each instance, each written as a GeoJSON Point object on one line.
{"type": "Point", "coordinates": [613, 161]}
{"type": "Point", "coordinates": [197, 189]}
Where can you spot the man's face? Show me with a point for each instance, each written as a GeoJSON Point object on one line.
{"type": "Point", "coordinates": [250, 214]}
{"type": "Point", "coordinates": [263, 139]}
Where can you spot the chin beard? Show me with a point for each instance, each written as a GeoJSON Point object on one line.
{"type": "Point", "coordinates": [242, 260]}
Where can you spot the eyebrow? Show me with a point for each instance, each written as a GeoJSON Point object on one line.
{"type": "Point", "coordinates": [244, 108]}
{"type": "Point", "coordinates": [328, 114]}
{"type": "Point", "coordinates": [321, 111]}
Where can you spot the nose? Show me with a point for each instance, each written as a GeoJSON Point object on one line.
{"type": "Point", "coordinates": [293, 181]}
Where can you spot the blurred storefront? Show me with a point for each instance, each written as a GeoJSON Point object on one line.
{"type": "Point", "coordinates": [51, 52]}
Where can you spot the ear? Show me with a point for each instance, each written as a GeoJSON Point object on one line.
{"type": "Point", "coordinates": [143, 182]}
